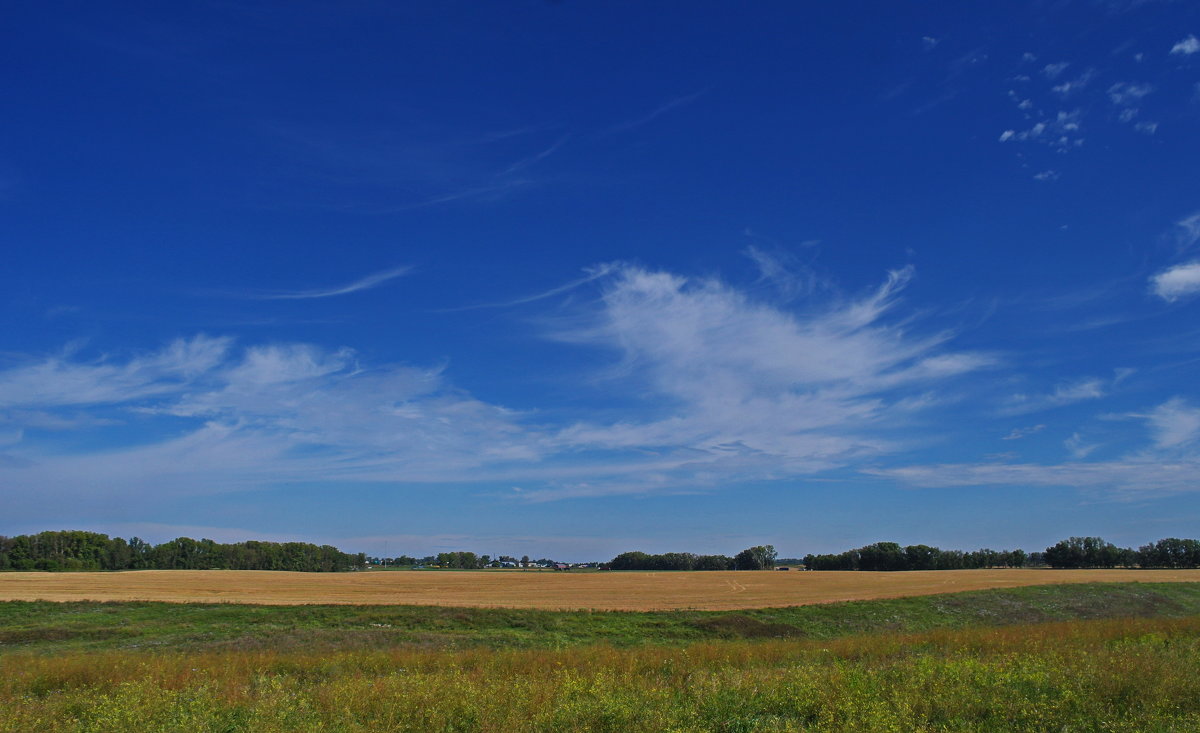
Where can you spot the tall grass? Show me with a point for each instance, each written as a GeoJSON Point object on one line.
{"type": "Point", "coordinates": [1102, 675]}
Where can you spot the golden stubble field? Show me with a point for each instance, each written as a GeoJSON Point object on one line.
{"type": "Point", "coordinates": [645, 591]}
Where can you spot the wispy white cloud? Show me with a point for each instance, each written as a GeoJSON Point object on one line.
{"type": "Point", "coordinates": [1186, 232]}
{"type": "Point", "coordinates": [592, 274]}
{"type": "Point", "coordinates": [264, 366]}
{"type": "Point", "coordinates": [1177, 282]}
{"type": "Point", "coordinates": [1170, 465]}
{"type": "Point", "coordinates": [1047, 176]}
{"type": "Point", "coordinates": [1187, 46]}
{"type": "Point", "coordinates": [670, 104]}
{"type": "Point", "coordinates": [1127, 94]}
{"type": "Point", "coordinates": [929, 42]}
{"type": "Point", "coordinates": [479, 192]}
{"type": "Point", "coordinates": [1132, 477]}
{"type": "Point", "coordinates": [1064, 394]}
{"type": "Point", "coordinates": [396, 167]}
{"type": "Point", "coordinates": [1074, 85]}
{"type": "Point", "coordinates": [373, 280]}
{"type": "Point", "coordinates": [1053, 71]}
{"type": "Point", "coordinates": [55, 421]}
{"type": "Point", "coordinates": [59, 311]}
{"type": "Point", "coordinates": [1078, 449]}
{"type": "Point", "coordinates": [731, 388]}
{"type": "Point", "coordinates": [754, 391]}
{"type": "Point", "coordinates": [282, 413]}
{"type": "Point", "coordinates": [537, 157]}
{"type": "Point", "coordinates": [1018, 433]}
{"type": "Point", "coordinates": [967, 62]}
{"type": "Point", "coordinates": [61, 381]}
{"type": "Point", "coordinates": [1174, 423]}
{"type": "Point", "coordinates": [790, 276]}
{"type": "Point", "coordinates": [1062, 132]}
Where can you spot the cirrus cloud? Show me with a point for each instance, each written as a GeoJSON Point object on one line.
{"type": "Point", "coordinates": [723, 387]}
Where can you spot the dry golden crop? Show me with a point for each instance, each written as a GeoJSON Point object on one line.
{"type": "Point", "coordinates": [642, 591]}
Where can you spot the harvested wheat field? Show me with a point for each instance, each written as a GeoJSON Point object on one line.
{"type": "Point", "coordinates": [649, 591]}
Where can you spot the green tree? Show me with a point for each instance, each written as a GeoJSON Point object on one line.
{"type": "Point", "coordinates": [882, 556]}
{"type": "Point", "coordinates": [921, 557]}
{"type": "Point", "coordinates": [761, 557]}
{"type": "Point", "coordinates": [1086, 552]}
{"type": "Point", "coordinates": [631, 561]}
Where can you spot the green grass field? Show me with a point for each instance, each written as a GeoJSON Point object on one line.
{"type": "Point", "coordinates": [1091, 657]}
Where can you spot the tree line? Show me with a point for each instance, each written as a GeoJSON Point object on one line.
{"type": "Point", "coordinates": [1075, 552]}
{"type": "Point", "coordinates": [77, 550]}
{"type": "Point", "coordinates": [1094, 552]}
{"type": "Point", "coordinates": [891, 556]}
{"type": "Point", "coordinates": [761, 557]}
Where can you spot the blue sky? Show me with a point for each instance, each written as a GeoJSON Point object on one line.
{"type": "Point", "coordinates": [575, 278]}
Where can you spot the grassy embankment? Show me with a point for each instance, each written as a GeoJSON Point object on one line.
{"type": "Point", "coordinates": [1089, 657]}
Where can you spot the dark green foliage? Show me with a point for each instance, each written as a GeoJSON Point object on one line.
{"type": "Point", "coordinates": [669, 561]}
{"type": "Point", "coordinates": [882, 556]}
{"type": "Point", "coordinates": [1088, 552]}
{"type": "Point", "coordinates": [461, 560]}
{"type": "Point", "coordinates": [754, 558]}
{"type": "Point", "coordinates": [1075, 552]}
{"type": "Point", "coordinates": [631, 561]}
{"type": "Point", "coordinates": [1170, 553]}
{"type": "Point", "coordinates": [68, 550]}
{"type": "Point", "coordinates": [74, 550]}
{"type": "Point", "coordinates": [713, 562]}
{"type": "Point", "coordinates": [761, 557]}
{"type": "Point", "coordinates": [891, 556]}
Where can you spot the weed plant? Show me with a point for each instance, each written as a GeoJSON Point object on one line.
{"type": "Point", "coordinates": [1078, 658]}
{"type": "Point", "coordinates": [1109, 675]}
